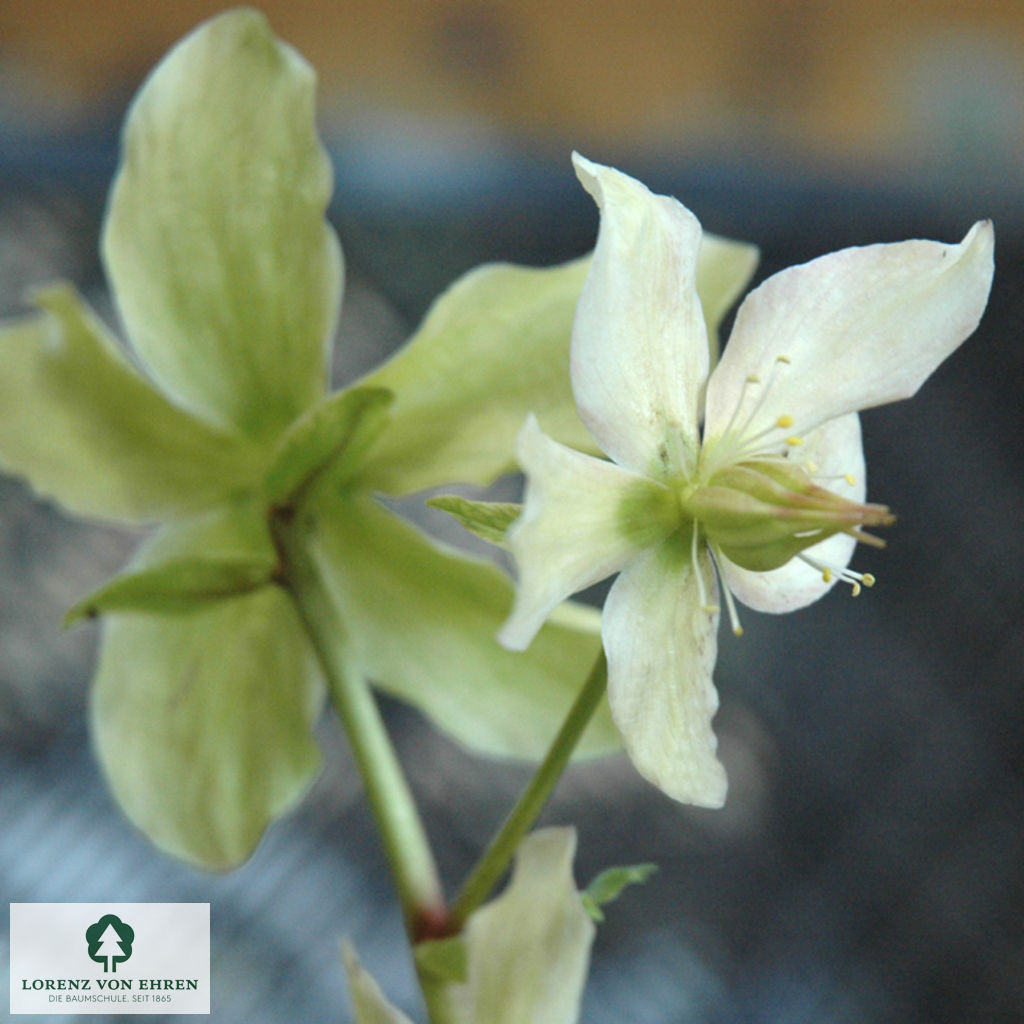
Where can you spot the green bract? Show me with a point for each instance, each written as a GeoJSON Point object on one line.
{"type": "Point", "coordinates": [228, 279]}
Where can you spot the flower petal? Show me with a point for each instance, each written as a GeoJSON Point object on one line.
{"type": "Point", "coordinates": [582, 519]}
{"type": "Point", "coordinates": [835, 450]}
{"type": "Point", "coordinates": [639, 345]}
{"type": "Point", "coordinates": [224, 270]}
{"type": "Point", "coordinates": [724, 269]}
{"type": "Point", "coordinates": [86, 429]}
{"type": "Point", "coordinates": [422, 621]}
{"type": "Point", "coordinates": [661, 643]}
{"type": "Point", "coordinates": [859, 328]}
{"type": "Point", "coordinates": [202, 721]}
{"type": "Point", "coordinates": [492, 349]}
{"type": "Point", "coordinates": [369, 1004]}
{"type": "Point", "coordinates": [529, 949]}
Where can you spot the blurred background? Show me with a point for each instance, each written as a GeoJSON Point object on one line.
{"type": "Point", "coordinates": [869, 866]}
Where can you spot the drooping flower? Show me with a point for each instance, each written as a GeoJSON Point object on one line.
{"type": "Point", "coordinates": [228, 278]}
{"type": "Point", "coordinates": [753, 468]}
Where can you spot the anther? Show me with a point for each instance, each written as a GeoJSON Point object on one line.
{"type": "Point", "coordinates": [794, 441]}
{"type": "Point", "coordinates": [784, 421]}
{"type": "Point", "coordinates": [856, 580]}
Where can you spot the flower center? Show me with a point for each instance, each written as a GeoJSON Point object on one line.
{"type": "Point", "coordinates": [756, 507]}
{"type": "Point", "coordinates": [740, 440]}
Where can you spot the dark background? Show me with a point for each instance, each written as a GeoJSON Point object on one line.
{"type": "Point", "coordinates": [869, 865]}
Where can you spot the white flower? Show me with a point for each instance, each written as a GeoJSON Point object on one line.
{"type": "Point", "coordinates": [722, 471]}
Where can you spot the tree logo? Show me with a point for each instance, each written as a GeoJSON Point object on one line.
{"type": "Point", "coordinates": [110, 942]}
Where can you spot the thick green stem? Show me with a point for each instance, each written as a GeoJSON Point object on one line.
{"type": "Point", "coordinates": [394, 809]}
{"type": "Point", "coordinates": [499, 853]}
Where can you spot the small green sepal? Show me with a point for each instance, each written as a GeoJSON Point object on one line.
{"type": "Point", "coordinates": [608, 886]}
{"type": "Point", "coordinates": [179, 585]}
{"type": "Point", "coordinates": [446, 960]}
{"type": "Point", "coordinates": [490, 520]}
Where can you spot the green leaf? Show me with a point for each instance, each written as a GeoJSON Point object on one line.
{"type": "Point", "coordinates": [331, 437]}
{"type": "Point", "coordinates": [487, 519]}
{"type": "Point", "coordinates": [529, 949]}
{"type": "Point", "coordinates": [223, 267]}
{"type": "Point", "coordinates": [178, 586]}
{"type": "Point", "coordinates": [87, 429]}
{"type": "Point", "coordinates": [369, 1005]}
{"type": "Point", "coordinates": [422, 621]}
{"type": "Point", "coordinates": [608, 886]}
{"type": "Point", "coordinates": [493, 348]}
{"type": "Point", "coordinates": [202, 722]}
{"type": "Point", "coordinates": [445, 959]}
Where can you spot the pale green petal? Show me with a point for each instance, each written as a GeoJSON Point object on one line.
{"type": "Point", "coordinates": [492, 349]}
{"type": "Point", "coordinates": [422, 620]}
{"type": "Point", "coordinates": [851, 330]}
{"type": "Point", "coordinates": [202, 720]}
{"type": "Point", "coordinates": [529, 949]}
{"type": "Point", "coordinates": [724, 269]}
{"type": "Point", "coordinates": [835, 450]}
{"type": "Point", "coordinates": [639, 345]}
{"type": "Point", "coordinates": [661, 642]}
{"type": "Point", "coordinates": [224, 270]}
{"type": "Point", "coordinates": [87, 430]}
{"type": "Point", "coordinates": [369, 1005]}
{"type": "Point", "coordinates": [582, 520]}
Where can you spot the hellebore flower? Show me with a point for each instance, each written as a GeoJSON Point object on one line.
{"type": "Point", "coordinates": [228, 280]}
{"type": "Point", "coordinates": [754, 469]}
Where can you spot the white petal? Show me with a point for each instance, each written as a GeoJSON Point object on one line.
{"type": "Point", "coordinates": [529, 949]}
{"type": "Point", "coordinates": [572, 531]}
{"type": "Point", "coordinates": [661, 646]}
{"type": "Point", "coordinates": [639, 353]}
{"type": "Point", "coordinates": [860, 327]}
{"type": "Point", "coordinates": [836, 450]}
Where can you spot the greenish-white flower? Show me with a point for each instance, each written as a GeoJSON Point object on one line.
{"type": "Point", "coordinates": [754, 468]}
{"type": "Point", "coordinates": [228, 279]}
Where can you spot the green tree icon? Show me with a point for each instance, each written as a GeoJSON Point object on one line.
{"type": "Point", "coordinates": [110, 941]}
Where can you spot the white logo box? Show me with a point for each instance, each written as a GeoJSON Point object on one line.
{"type": "Point", "coordinates": [113, 958]}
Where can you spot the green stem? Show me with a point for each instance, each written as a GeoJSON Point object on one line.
{"type": "Point", "coordinates": [394, 809]}
{"type": "Point", "coordinates": [498, 855]}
